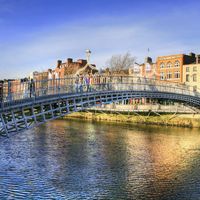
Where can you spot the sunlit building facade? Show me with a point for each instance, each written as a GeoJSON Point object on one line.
{"type": "Point", "coordinates": [146, 69]}
{"type": "Point", "coordinates": [170, 68]}
{"type": "Point", "coordinates": [191, 74]}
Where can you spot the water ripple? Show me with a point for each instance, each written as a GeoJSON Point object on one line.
{"type": "Point", "coordinates": [82, 160]}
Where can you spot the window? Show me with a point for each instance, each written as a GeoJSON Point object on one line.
{"type": "Point", "coordinates": [177, 64]}
{"type": "Point", "coordinates": [187, 77]}
{"type": "Point", "coordinates": [187, 69]}
{"type": "Point", "coordinates": [162, 65]}
{"type": "Point", "coordinates": [162, 76]}
{"type": "Point", "coordinates": [194, 69]}
{"type": "Point", "coordinates": [177, 74]}
{"type": "Point", "coordinates": [147, 67]}
{"type": "Point", "coordinates": [195, 88]}
{"type": "Point", "coordinates": [169, 75]}
{"type": "Point", "coordinates": [194, 78]}
{"type": "Point", "coordinates": [169, 65]}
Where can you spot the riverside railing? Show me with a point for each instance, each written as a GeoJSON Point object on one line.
{"type": "Point", "coordinates": [21, 91]}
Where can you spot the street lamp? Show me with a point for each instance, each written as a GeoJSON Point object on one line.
{"type": "Point", "coordinates": [88, 53]}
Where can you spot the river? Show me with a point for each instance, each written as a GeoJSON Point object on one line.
{"type": "Point", "coordinates": [66, 159]}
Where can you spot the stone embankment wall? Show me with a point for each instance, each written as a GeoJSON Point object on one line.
{"type": "Point", "coordinates": [182, 120]}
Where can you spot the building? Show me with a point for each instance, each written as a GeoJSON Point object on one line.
{"type": "Point", "coordinates": [170, 68]}
{"type": "Point", "coordinates": [40, 76]}
{"type": "Point", "coordinates": [146, 69]}
{"type": "Point", "coordinates": [13, 89]}
{"type": "Point", "coordinates": [33, 75]}
{"type": "Point", "coordinates": [191, 74]}
{"type": "Point", "coordinates": [52, 79]}
{"type": "Point", "coordinates": [70, 67]}
{"type": "Point", "coordinates": [1, 90]}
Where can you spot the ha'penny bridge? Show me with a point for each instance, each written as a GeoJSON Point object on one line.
{"type": "Point", "coordinates": [29, 103]}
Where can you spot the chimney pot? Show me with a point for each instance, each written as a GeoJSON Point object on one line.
{"type": "Point", "coordinates": [69, 60]}
{"type": "Point", "coordinates": [59, 62]}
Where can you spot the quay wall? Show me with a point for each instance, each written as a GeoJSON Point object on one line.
{"type": "Point", "coordinates": [166, 119]}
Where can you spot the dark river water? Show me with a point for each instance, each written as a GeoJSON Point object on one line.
{"type": "Point", "coordinates": [84, 160]}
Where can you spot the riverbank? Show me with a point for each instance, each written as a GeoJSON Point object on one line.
{"type": "Point", "coordinates": [179, 120]}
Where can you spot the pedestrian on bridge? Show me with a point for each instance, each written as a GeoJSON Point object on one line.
{"type": "Point", "coordinates": [91, 82]}
{"type": "Point", "coordinates": [77, 83]}
{"type": "Point", "coordinates": [87, 82]}
{"type": "Point", "coordinates": [81, 83]}
{"type": "Point", "coordinates": [32, 88]}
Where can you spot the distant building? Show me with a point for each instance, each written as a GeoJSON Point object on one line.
{"type": "Point", "coordinates": [146, 69]}
{"type": "Point", "coordinates": [64, 69]}
{"type": "Point", "coordinates": [70, 67]}
{"type": "Point", "coordinates": [53, 78]}
{"type": "Point", "coordinates": [105, 72]}
{"type": "Point", "coordinates": [191, 74]}
{"type": "Point", "coordinates": [170, 68]}
{"type": "Point", "coordinates": [33, 75]}
{"type": "Point", "coordinates": [12, 89]}
{"type": "Point", "coordinates": [1, 91]}
{"type": "Point", "coordinates": [41, 76]}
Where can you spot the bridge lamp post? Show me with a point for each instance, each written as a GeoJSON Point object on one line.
{"type": "Point", "coordinates": [88, 53]}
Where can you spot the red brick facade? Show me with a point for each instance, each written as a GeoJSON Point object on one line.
{"type": "Point", "coordinates": [69, 67]}
{"type": "Point", "coordinates": [170, 67]}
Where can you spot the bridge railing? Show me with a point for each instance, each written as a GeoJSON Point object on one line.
{"type": "Point", "coordinates": [30, 90]}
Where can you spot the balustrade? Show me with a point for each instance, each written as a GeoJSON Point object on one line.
{"type": "Point", "coordinates": [10, 91]}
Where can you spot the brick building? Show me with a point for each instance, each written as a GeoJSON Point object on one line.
{"type": "Point", "coordinates": [13, 89]}
{"type": "Point", "coordinates": [45, 81]}
{"type": "Point", "coordinates": [64, 69]}
{"type": "Point", "coordinates": [70, 67]}
{"type": "Point", "coordinates": [170, 68]}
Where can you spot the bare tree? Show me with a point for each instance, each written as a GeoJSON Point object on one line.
{"type": "Point", "coordinates": [120, 62]}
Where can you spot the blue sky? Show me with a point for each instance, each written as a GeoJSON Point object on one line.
{"type": "Point", "coordinates": [36, 33]}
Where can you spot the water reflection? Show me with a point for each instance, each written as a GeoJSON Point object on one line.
{"type": "Point", "coordinates": [83, 160]}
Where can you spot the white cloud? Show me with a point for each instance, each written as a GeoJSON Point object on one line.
{"type": "Point", "coordinates": [41, 49]}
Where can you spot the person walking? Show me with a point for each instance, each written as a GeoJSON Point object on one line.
{"type": "Point", "coordinates": [91, 82]}
{"type": "Point", "coordinates": [81, 83]}
{"type": "Point", "coordinates": [87, 82]}
{"type": "Point", "coordinates": [32, 88]}
{"type": "Point", "coordinates": [77, 83]}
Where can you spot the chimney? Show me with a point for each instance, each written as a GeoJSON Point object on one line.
{"type": "Point", "coordinates": [69, 60]}
{"type": "Point", "coordinates": [82, 61]}
{"type": "Point", "coordinates": [192, 54]}
{"type": "Point", "coordinates": [192, 57]}
{"type": "Point", "coordinates": [59, 62]}
{"type": "Point", "coordinates": [148, 60]}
